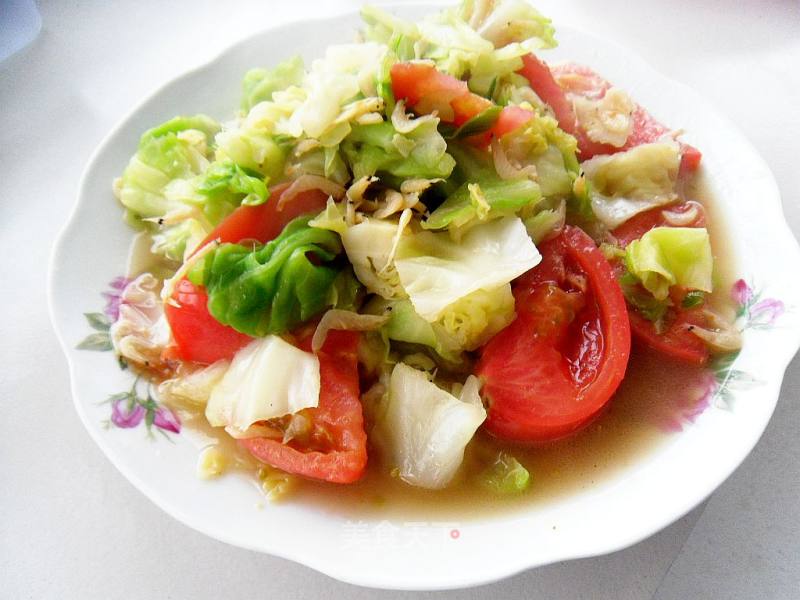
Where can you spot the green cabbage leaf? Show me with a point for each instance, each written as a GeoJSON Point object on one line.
{"type": "Point", "coordinates": [273, 288]}
{"type": "Point", "coordinates": [667, 256]}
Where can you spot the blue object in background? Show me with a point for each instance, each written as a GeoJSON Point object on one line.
{"type": "Point", "coordinates": [20, 23]}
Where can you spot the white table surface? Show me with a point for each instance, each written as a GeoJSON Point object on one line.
{"type": "Point", "coordinates": [72, 527]}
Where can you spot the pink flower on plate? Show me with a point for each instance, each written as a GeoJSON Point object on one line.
{"type": "Point", "coordinates": [765, 312]}
{"type": "Point", "coordinates": [113, 298]}
{"type": "Point", "coordinates": [687, 407]}
{"type": "Point", "coordinates": [166, 419]}
{"type": "Point", "coordinates": [125, 416]}
{"type": "Point", "coordinates": [741, 293]}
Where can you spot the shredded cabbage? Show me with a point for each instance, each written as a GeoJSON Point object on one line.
{"type": "Point", "coordinates": [466, 324]}
{"type": "Point", "coordinates": [405, 148]}
{"type": "Point", "coordinates": [503, 22]}
{"type": "Point", "coordinates": [483, 39]}
{"type": "Point", "coordinates": [345, 320]}
{"type": "Point", "coordinates": [192, 388]}
{"type": "Point", "coordinates": [474, 319]}
{"type": "Point", "coordinates": [609, 119]}
{"type": "Point", "coordinates": [346, 72]}
{"type": "Point", "coordinates": [225, 178]}
{"type": "Point", "coordinates": [370, 246]}
{"type": "Point", "coordinates": [483, 195]}
{"type": "Point", "coordinates": [405, 325]}
{"type": "Point", "coordinates": [506, 475]}
{"type": "Point", "coordinates": [546, 223]}
{"type": "Point", "coordinates": [549, 149]}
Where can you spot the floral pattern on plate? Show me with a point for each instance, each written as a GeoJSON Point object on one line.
{"type": "Point", "coordinates": [129, 409]}
{"type": "Point", "coordinates": [723, 379]}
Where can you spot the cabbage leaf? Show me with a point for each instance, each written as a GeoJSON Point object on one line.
{"type": "Point", "coordinates": [273, 288]}
{"type": "Point", "coordinates": [427, 428]}
{"type": "Point", "coordinates": [405, 148]}
{"type": "Point", "coordinates": [626, 183]}
{"type": "Point", "coordinates": [506, 475]}
{"type": "Point", "coordinates": [483, 195]}
{"type": "Point", "coordinates": [484, 40]}
{"type": "Point", "coordinates": [259, 85]}
{"type": "Point", "coordinates": [370, 247]}
{"type": "Point", "coordinates": [267, 379]}
{"type": "Point", "coordinates": [667, 256]}
{"type": "Point", "coordinates": [436, 271]}
{"type": "Point", "coordinates": [169, 154]}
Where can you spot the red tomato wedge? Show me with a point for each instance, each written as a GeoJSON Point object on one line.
{"type": "Point", "coordinates": [547, 88]}
{"type": "Point", "coordinates": [265, 222]}
{"type": "Point", "coordinates": [198, 336]}
{"type": "Point", "coordinates": [554, 86]}
{"type": "Point", "coordinates": [556, 366]}
{"type": "Point", "coordinates": [426, 89]}
{"type": "Point", "coordinates": [336, 449]}
{"type": "Point", "coordinates": [544, 84]}
{"type": "Point", "coordinates": [690, 213]}
{"type": "Point", "coordinates": [675, 340]}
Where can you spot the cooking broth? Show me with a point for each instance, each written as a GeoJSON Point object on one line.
{"type": "Point", "coordinates": [657, 398]}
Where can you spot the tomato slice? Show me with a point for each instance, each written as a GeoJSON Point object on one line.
{"type": "Point", "coordinates": [510, 119]}
{"type": "Point", "coordinates": [582, 81]}
{"type": "Point", "coordinates": [198, 336]}
{"type": "Point", "coordinates": [544, 84]}
{"type": "Point", "coordinates": [635, 227]}
{"type": "Point", "coordinates": [674, 340]}
{"type": "Point", "coordinates": [421, 85]}
{"type": "Point", "coordinates": [265, 222]}
{"type": "Point", "coordinates": [426, 89]}
{"type": "Point", "coordinates": [552, 371]}
{"type": "Point", "coordinates": [546, 87]}
{"type": "Point", "coordinates": [337, 448]}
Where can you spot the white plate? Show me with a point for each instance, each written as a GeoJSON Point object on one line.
{"type": "Point", "coordinates": [657, 490]}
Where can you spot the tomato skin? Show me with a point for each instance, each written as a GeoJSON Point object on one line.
{"type": "Point", "coordinates": [510, 119]}
{"type": "Point", "coordinates": [414, 81]}
{"type": "Point", "coordinates": [198, 336]}
{"type": "Point", "coordinates": [467, 106]}
{"type": "Point", "coordinates": [554, 369]}
{"type": "Point", "coordinates": [338, 417]}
